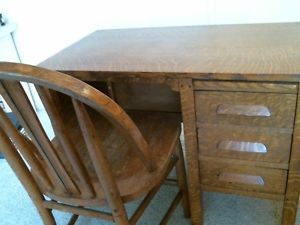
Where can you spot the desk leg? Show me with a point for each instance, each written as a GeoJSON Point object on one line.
{"type": "Point", "coordinates": [293, 184]}
{"type": "Point", "coordinates": [191, 150]}
{"type": "Point", "coordinates": [290, 202]}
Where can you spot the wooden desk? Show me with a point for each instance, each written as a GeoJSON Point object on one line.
{"type": "Point", "coordinates": [238, 90]}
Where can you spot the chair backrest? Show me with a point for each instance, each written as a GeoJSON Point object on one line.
{"type": "Point", "coordinates": [38, 151]}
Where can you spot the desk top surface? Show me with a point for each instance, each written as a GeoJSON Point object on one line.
{"type": "Point", "coordinates": [255, 50]}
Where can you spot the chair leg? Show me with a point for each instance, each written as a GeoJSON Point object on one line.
{"type": "Point", "coordinates": [46, 215]}
{"type": "Point", "coordinates": [172, 208]}
{"type": "Point", "coordinates": [139, 211]}
{"type": "Point", "coordinates": [181, 176]}
{"type": "Point", "coordinates": [73, 219]}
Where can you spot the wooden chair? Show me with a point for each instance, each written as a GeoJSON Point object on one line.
{"type": "Point", "coordinates": [100, 155]}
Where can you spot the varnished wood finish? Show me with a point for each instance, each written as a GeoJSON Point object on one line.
{"type": "Point", "coordinates": [77, 210]}
{"type": "Point", "coordinates": [100, 155]}
{"type": "Point", "coordinates": [243, 193]}
{"type": "Point", "coordinates": [224, 174]}
{"type": "Point", "coordinates": [249, 72]}
{"type": "Point", "coordinates": [26, 146]}
{"type": "Point", "coordinates": [207, 104]}
{"type": "Point", "coordinates": [243, 146]}
{"type": "Point", "coordinates": [243, 110]}
{"type": "Point", "coordinates": [276, 142]}
{"type": "Point", "coordinates": [251, 52]}
{"type": "Point", "coordinates": [63, 137]}
{"type": "Point", "coordinates": [192, 163]}
{"type": "Point", "coordinates": [146, 201]}
{"type": "Point", "coordinates": [245, 87]}
{"type": "Point", "coordinates": [73, 219]}
{"type": "Point", "coordinates": [25, 176]}
{"type": "Point", "coordinates": [243, 162]}
{"type": "Point", "coordinates": [171, 209]}
{"type": "Point", "coordinates": [182, 182]}
{"type": "Point", "coordinates": [100, 163]}
{"type": "Point", "coordinates": [143, 96]}
{"type": "Point", "coordinates": [230, 116]}
{"type": "Point", "coordinates": [293, 183]}
{"type": "Point", "coordinates": [241, 178]}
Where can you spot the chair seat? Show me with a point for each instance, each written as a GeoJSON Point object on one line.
{"type": "Point", "coordinates": [160, 129]}
{"type": "Point", "coordinates": [133, 152]}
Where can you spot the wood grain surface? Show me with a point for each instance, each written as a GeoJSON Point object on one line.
{"type": "Point", "coordinates": [293, 183]}
{"type": "Point", "coordinates": [280, 106]}
{"type": "Point", "coordinates": [207, 59]}
{"type": "Point", "coordinates": [257, 87]}
{"type": "Point", "coordinates": [225, 174]}
{"type": "Point", "coordinates": [277, 143]}
{"type": "Point", "coordinates": [192, 162]}
{"type": "Point", "coordinates": [141, 96]}
{"type": "Point", "coordinates": [253, 52]}
{"type": "Point", "coordinates": [100, 155]}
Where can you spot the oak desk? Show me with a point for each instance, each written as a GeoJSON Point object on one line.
{"type": "Point", "coordinates": [237, 87]}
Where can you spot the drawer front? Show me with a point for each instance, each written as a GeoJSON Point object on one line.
{"type": "Point", "coordinates": [245, 87]}
{"type": "Point", "coordinates": [241, 108]}
{"type": "Point", "coordinates": [246, 143]}
{"type": "Point", "coordinates": [252, 179]}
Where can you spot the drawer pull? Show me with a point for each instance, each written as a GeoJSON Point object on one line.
{"type": "Point", "coordinates": [242, 146]}
{"type": "Point", "coordinates": [243, 110]}
{"type": "Point", "coordinates": [241, 178]}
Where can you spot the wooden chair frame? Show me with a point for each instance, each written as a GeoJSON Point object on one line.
{"type": "Point", "coordinates": [40, 148]}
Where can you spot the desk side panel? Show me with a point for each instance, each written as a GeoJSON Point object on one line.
{"type": "Point", "coordinates": [293, 184]}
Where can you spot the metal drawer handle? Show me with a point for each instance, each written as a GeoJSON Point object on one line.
{"type": "Point", "coordinates": [241, 178]}
{"type": "Point", "coordinates": [243, 110]}
{"type": "Point", "coordinates": [242, 146]}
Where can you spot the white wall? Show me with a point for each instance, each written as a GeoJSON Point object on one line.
{"type": "Point", "coordinates": [46, 26]}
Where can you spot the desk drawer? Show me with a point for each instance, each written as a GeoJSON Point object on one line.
{"type": "Point", "coordinates": [245, 143]}
{"type": "Point", "coordinates": [222, 174]}
{"type": "Point", "coordinates": [241, 108]}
